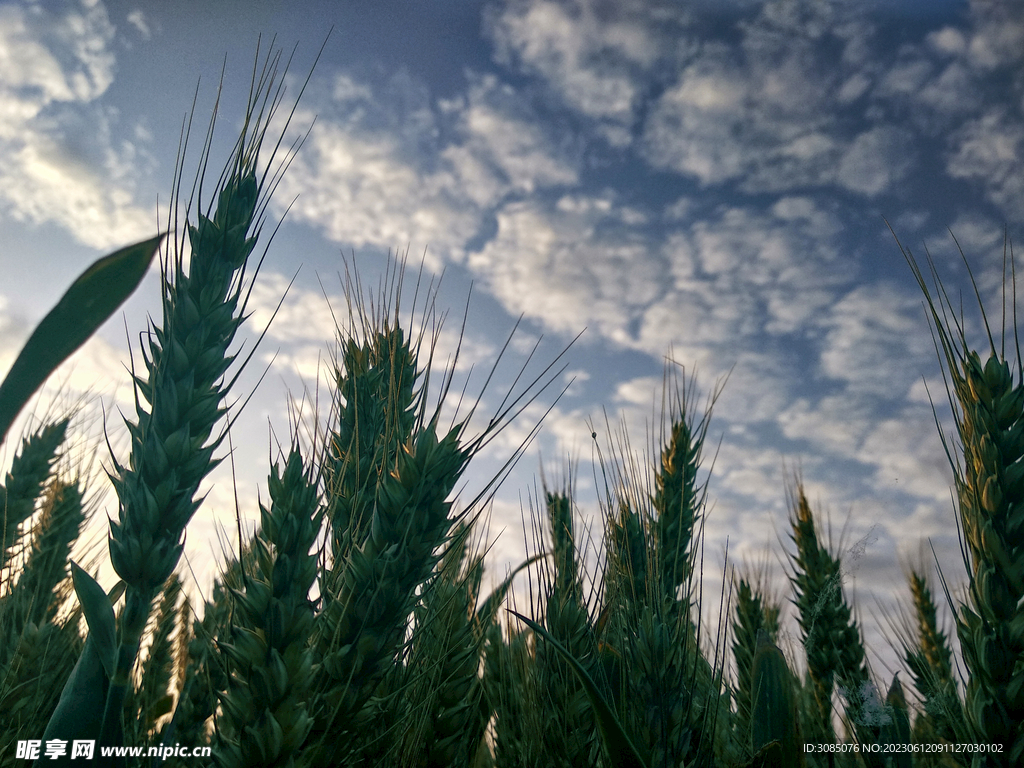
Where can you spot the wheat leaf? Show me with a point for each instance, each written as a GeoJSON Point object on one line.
{"type": "Point", "coordinates": [88, 303]}
{"type": "Point", "coordinates": [621, 750]}
{"type": "Point", "coordinates": [486, 612]}
{"type": "Point", "coordinates": [79, 713]}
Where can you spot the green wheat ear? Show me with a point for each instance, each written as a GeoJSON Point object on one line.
{"type": "Point", "coordinates": [88, 303]}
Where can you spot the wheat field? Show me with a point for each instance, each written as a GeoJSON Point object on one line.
{"type": "Point", "coordinates": [351, 628]}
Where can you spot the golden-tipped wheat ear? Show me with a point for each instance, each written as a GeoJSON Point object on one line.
{"type": "Point", "coordinates": [29, 472]}
{"type": "Point", "coordinates": [987, 399]}
{"type": "Point", "coordinates": [36, 653]}
{"type": "Point", "coordinates": [928, 656]}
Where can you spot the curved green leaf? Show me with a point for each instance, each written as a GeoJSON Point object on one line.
{"type": "Point", "coordinates": [621, 750]}
{"type": "Point", "coordinates": [486, 612]}
{"type": "Point", "coordinates": [79, 712]}
{"type": "Point", "coordinates": [88, 303]}
{"type": "Point", "coordinates": [99, 614]}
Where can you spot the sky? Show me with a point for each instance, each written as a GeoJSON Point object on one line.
{"type": "Point", "coordinates": [706, 187]}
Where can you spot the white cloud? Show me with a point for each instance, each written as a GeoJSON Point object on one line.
{"type": "Point", "coordinates": [907, 452]}
{"type": "Point", "coordinates": [358, 189]}
{"type": "Point", "coordinates": [997, 39]}
{"type": "Point", "coordinates": [869, 328]}
{"type": "Point", "coordinates": [46, 181]}
{"type": "Point", "coordinates": [60, 163]}
{"type": "Point", "coordinates": [876, 160]}
{"type": "Point", "coordinates": [694, 126]}
{"type": "Point", "coordinates": [557, 265]}
{"type": "Point", "coordinates": [512, 143]}
{"type": "Point", "coordinates": [834, 423]}
{"type": "Point", "coordinates": [591, 61]}
{"type": "Point", "coordinates": [766, 111]}
{"type": "Point", "coordinates": [948, 40]}
{"type": "Point", "coordinates": [990, 151]}
{"type": "Point", "coordinates": [733, 268]}
{"type": "Point", "coordinates": [721, 123]}
{"type": "Point", "coordinates": [383, 175]}
{"type": "Point", "coordinates": [808, 95]}
{"type": "Point", "coordinates": [138, 20]}
{"type": "Point", "coordinates": [65, 58]}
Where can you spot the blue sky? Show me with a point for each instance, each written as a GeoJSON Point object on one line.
{"type": "Point", "coordinates": [706, 179]}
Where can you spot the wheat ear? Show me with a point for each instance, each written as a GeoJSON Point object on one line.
{"type": "Point", "coordinates": [264, 718]}
{"type": "Point", "coordinates": [179, 399]}
{"type": "Point", "coordinates": [991, 501]}
{"type": "Point", "coordinates": [445, 711]}
{"type": "Point", "coordinates": [831, 639]}
{"type": "Point", "coordinates": [37, 597]}
{"type": "Point", "coordinates": [930, 664]}
{"type": "Point", "coordinates": [988, 400]}
{"type": "Point", "coordinates": [25, 482]}
{"type": "Point", "coordinates": [365, 620]}
{"type": "Point", "coordinates": [679, 499]}
{"type": "Point", "coordinates": [568, 725]}
{"type": "Point", "coordinates": [375, 388]}
{"type": "Point", "coordinates": [754, 613]}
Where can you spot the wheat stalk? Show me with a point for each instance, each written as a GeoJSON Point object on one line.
{"type": "Point", "coordinates": [151, 700]}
